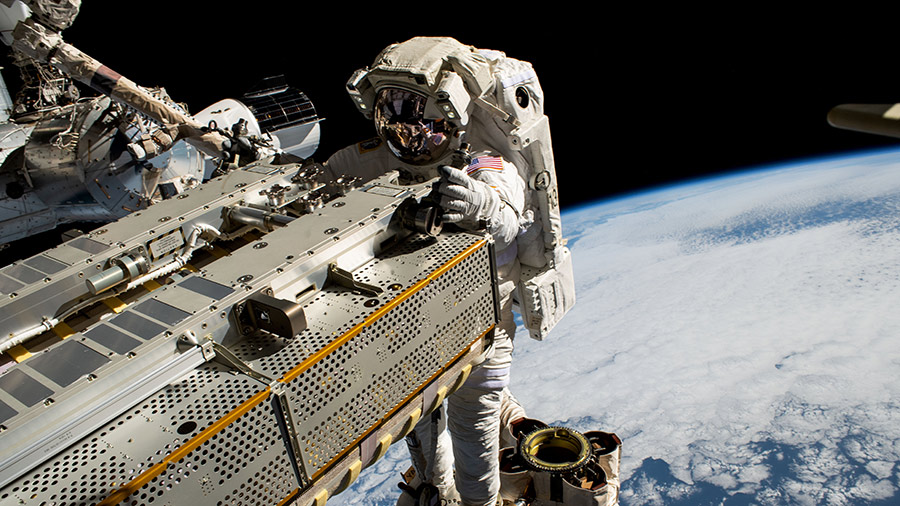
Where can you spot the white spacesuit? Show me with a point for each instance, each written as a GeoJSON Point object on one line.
{"type": "Point", "coordinates": [423, 107]}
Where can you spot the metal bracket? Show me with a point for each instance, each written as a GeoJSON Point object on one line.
{"type": "Point", "coordinates": [288, 430]}
{"type": "Point", "coordinates": [281, 317]}
{"type": "Point", "coordinates": [344, 278]}
{"type": "Point", "coordinates": [188, 340]}
{"type": "Point", "coordinates": [227, 358]}
{"type": "Point", "coordinates": [208, 351]}
{"type": "Point", "coordinates": [212, 350]}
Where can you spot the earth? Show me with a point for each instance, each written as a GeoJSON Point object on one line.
{"type": "Point", "coordinates": [740, 334]}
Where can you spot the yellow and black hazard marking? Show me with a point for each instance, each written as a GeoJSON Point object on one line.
{"type": "Point", "coordinates": [166, 244]}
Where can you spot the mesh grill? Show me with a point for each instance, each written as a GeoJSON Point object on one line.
{"type": "Point", "coordinates": [232, 455]}
{"type": "Point", "coordinates": [212, 404]}
{"type": "Point", "coordinates": [111, 457]}
{"type": "Point", "coordinates": [393, 355]}
{"type": "Point", "coordinates": [177, 393]}
{"type": "Point", "coordinates": [334, 401]}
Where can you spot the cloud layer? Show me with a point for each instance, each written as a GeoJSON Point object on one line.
{"type": "Point", "coordinates": [729, 316]}
{"type": "Point", "coordinates": [739, 334]}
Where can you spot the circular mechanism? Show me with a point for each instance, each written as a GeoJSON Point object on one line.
{"type": "Point", "coordinates": [522, 97]}
{"type": "Point", "coordinates": [428, 221]}
{"type": "Point", "coordinates": [555, 449]}
{"type": "Point", "coordinates": [305, 178]}
{"type": "Point", "coordinates": [541, 181]}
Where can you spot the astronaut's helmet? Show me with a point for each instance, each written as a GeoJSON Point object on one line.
{"type": "Point", "coordinates": [412, 126]}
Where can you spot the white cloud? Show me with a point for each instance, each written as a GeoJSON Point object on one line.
{"type": "Point", "coordinates": [742, 331]}
{"type": "Point", "coordinates": [692, 347]}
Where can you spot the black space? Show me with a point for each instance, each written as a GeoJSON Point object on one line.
{"type": "Point", "coordinates": [635, 98]}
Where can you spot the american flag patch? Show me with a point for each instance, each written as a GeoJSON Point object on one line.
{"type": "Point", "coordinates": [485, 163]}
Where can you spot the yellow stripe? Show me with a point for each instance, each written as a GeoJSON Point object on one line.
{"type": "Point", "coordinates": [396, 408]}
{"type": "Point", "coordinates": [135, 484]}
{"type": "Point", "coordinates": [216, 427]}
{"type": "Point", "coordinates": [192, 268]}
{"type": "Point", "coordinates": [457, 259]}
{"type": "Point", "coordinates": [145, 477]}
{"type": "Point", "coordinates": [151, 285]}
{"type": "Point", "coordinates": [397, 300]}
{"type": "Point", "coordinates": [309, 362]}
{"type": "Point", "coordinates": [18, 353]}
{"type": "Point", "coordinates": [218, 251]}
{"type": "Point", "coordinates": [289, 497]}
{"type": "Point", "coordinates": [63, 331]}
{"type": "Point", "coordinates": [306, 364]}
{"type": "Point", "coordinates": [115, 304]}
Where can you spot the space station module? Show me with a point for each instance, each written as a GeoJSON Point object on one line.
{"type": "Point", "coordinates": [73, 160]}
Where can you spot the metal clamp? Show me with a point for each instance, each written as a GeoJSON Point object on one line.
{"type": "Point", "coordinates": [344, 278]}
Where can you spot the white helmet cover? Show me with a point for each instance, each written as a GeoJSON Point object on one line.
{"type": "Point", "coordinates": [447, 74]}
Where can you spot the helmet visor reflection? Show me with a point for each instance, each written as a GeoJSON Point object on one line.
{"type": "Point", "coordinates": [400, 120]}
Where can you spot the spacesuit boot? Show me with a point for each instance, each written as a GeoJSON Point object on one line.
{"type": "Point", "coordinates": [431, 452]}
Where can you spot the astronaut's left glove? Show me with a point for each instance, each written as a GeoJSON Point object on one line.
{"type": "Point", "coordinates": [465, 200]}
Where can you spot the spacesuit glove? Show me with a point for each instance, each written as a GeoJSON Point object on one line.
{"type": "Point", "coordinates": [466, 200]}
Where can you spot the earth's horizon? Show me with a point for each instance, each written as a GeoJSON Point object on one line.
{"type": "Point", "coordinates": [739, 333]}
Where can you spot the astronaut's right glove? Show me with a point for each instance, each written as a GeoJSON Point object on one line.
{"type": "Point", "coordinates": [465, 200]}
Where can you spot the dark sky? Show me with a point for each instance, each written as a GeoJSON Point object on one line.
{"type": "Point", "coordinates": [635, 98]}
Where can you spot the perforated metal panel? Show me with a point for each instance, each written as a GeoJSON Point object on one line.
{"type": "Point", "coordinates": [214, 437]}
{"type": "Point", "coordinates": [130, 445]}
{"type": "Point", "coordinates": [244, 463]}
{"type": "Point", "coordinates": [382, 360]}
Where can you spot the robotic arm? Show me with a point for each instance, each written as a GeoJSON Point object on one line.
{"type": "Point", "coordinates": [32, 29]}
{"type": "Point", "coordinates": [57, 15]}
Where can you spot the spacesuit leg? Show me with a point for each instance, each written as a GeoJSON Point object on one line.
{"type": "Point", "coordinates": [431, 449]}
{"type": "Point", "coordinates": [431, 452]}
{"type": "Point", "coordinates": [474, 427]}
{"type": "Point", "coordinates": [474, 418]}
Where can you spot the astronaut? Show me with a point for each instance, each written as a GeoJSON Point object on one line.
{"type": "Point", "coordinates": [421, 95]}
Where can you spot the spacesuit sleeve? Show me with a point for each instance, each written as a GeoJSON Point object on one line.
{"type": "Point", "coordinates": [337, 165]}
{"type": "Point", "coordinates": [503, 177]}
{"type": "Point", "coordinates": [364, 160]}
